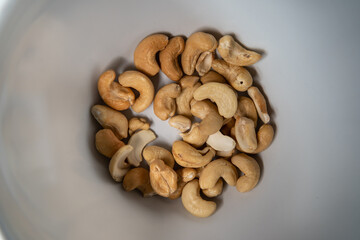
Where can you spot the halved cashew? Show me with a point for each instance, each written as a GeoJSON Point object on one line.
{"type": "Point", "coordinates": [180, 122]}
{"type": "Point", "coordinates": [203, 64]}
{"type": "Point", "coordinates": [107, 143]}
{"type": "Point", "coordinates": [235, 54]}
{"type": "Point", "coordinates": [145, 53]}
{"type": "Point", "coordinates": [113, 94]}
{"type": "Point", "coordinates": [138, 178]}
{"type": "Point", "coordinates": [188, 86]}
{"type": "Point", "coordinates": [227, 125]}
{"type": "Point", "coordinates": [220, 93]}
{"type": "Point", "coordinates": [245, 134]}
{"type": "Point", "coordinates": [208, 113]}
{"type": "Point", "coordinates": [193, 202]}
{"type": "Point", "coordinates": [186, 174]}
{"type": "Point", "coordinates": [169, 58]}
{"type": "Point", "coordinates": [187, 156]}
{"type": "Point", "coordinates": [212, 76]}
{"type": "Point", "coordinates": [195, 45]}
{"type": "Point", "coordinates": [118, 167]}
{"type": "Point", "coordinates": [225, 154]}
{"type": "Point", "coordinates": [152, 153]}
{"type": "Point", "coordinates": [246, 108]}
{"type": "Point", "coordinates": [164, 102]}
{"type": "Point", "coordinates": [138, 141]}
{"type": "Point", "coordinates": [251, 170]}
{"type": "Point", "coordinates": [220, 142]}
{"type": "Point", "coordinates": [265, 136]}
{"type": "Point", "coordinates": [163, 178]}
{"type": "Point", "coordinates": [214, 191]}
{"type": "Point", "coordinates": [142, 84]}
{"type": "Point", "coordinates": [260, 103]}
{"type": "Point", "coordinates": [195, 137]}
{"type": "Point", "coordinates": [111, 119]}
{"type": "Point", "coordinates": [216, 169]}
{"type": "Point", "coordinates": [238, 77]}
{"type": "Point", "coordinates": [138, 123]}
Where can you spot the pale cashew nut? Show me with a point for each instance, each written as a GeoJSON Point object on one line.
{"type": "Point", "coordinates": [118, 167]}
{"type": "Point", "coordinates": [245, 134]}
{"type": "Point", "coordinates": [188, 86]}
{"type": "Point", "coordinates": [169, 58]}
{"type": "Point", "coordinates": [216, 169]}
{"type": "Point", "coordinates": [145, 53]}
{"type": "Point", "coordinates": [220, 142]}
{"type": "Point", "coordinates": [152, 153]}
{"type": "Point", "coordinates": [186, 174]}
{"type": "Point", "coordinates": [265, 136]}
{"type": "Point", "coordinates": [246, 108]}
{"type": "Point", "coordinates": [251, 170]}
{"type": "Point", "coordinates": [180, 122]}
{"type": "Point", "coordinates": [225, 154]}
{"type": "Point", "coordinates": [163, 178]}
{"type": "Point", "coordinates": [164, 102]}
{"type": "Point", "coordinates": [235, 54]}
{"type": "Point", "coordinates": [195, 45]}
{"type": "Point", "coordinates": [203, 64]}
{"type": "Point", "coordinates": [138, 141]}
{"type": "Point", "coordinates": [187, 156]}
{"type": "Point", "coordinates": [113, 94]}
{"type": "Point", "coordinates": [260, 103]}
{"type": "Point", "coordinates": [238, 77]}
{"type": "Point", "coordinates": [138, 178]}
{"type": "Point", "coordinates": [212, 76]}
{"type": "Point", "coordinates": [195, 137]}
{"type": "Point", "coordinates": [193, 202]}
{"type": "Point", "coordinates": [138, 124]}
{"type": "Point", "coordinates": [214, 191]}
{"type": "Point", "coordinates": [107, 143]}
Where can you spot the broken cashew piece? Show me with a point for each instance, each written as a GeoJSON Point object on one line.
{"type": "Point", "coordinates": [145, 53]}
{"type": "Point", "coordinates": [225, 154]}
{"type": "Point", "coordinates": [180, 122]}
{"type": "Point", "coordinates": [186, 174]}
{"type": "Point", "coordinates": [138, 141]}
{"type": "Point", "coordinates": [245, 134]}
{"type": "Point", "coordinates": [214, 191]}
{"type": "Point", "coordinates": [188, 86]}
{"type": "Point", "coordinates": [169, 58]}
{"type": "Point", "coordinates": [187, 156]}
{"type": "Point", "coordinates": [212, 76]}
{"type": "Point", "coordinates": [152, 153]}
{"type": "Point", "coordinates": [203, 64]}
{"type": "Point", "coordinates": [260, 103]}
{"type": "Point", "coordinates": [138, 178]}
{"type": "Point", "coordinates": [164, 102]}
{"type": "Point", "coordinates": [265, 136]}
{"type": "Point", "coordinates": [246, 108]}
{"type": "Point", "coordinates": [118, 167]}
{"type": "Point", "coordinates": [138, 123]}
{"type": "Point", "coordinates": [163, 178]}
{"type": "Point", "coordinates": [107, 143]}
{"type": "Point", "coordinates": [220, 142]}
{"type": "Point", "coordinates": [251, 170]}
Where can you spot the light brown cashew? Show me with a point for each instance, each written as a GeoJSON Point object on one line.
{"type": "Point", "coordinates": [164, 102]}
{"type": "Point", "coordinates": [138, 123]}
{"type": "Point", "coordinates": [138, 141]}
{"type": "Point", "coordinates": [193, 202]}
{"type": "Point", "coordinates": [207, 112]}
{"type": "Point", "coordinates": [265, 136]}
{"type": "Point", "coordinates": [145, 53]}
{"type": "Point", "coordinates": [260, 103]}
{"type": "Point", "coordinates": [186, 174]}
{"type": "Point", "coordinates": [235, 54]}
{"type": "Point", "coordinates": [113, 94]}
{"type": "Point", "coordinates": [195, 137]}
{"type": "Point", "coordinates": [245, 134]}
{"type": "Point", "coordinates": [212, 76]}
{"type": "Point", "coordinates": [142, 84]}
{"type": "Point", "coordinates": [178, 191]}
{"type": "Point", "coordinates": [118, 167]}
{"type": "Point", "coordinates": [187, 156]}
{"type": "Point", "coordinates": [180, 122]}
{"type": "Point", "coordinates": [163, 178]}
{"type": "Point", "coordinates": [225, 154]}
{"type": "Point", "coordinates": [169, 58]}
{"type": "Point", "coordinates": [214, 191]}
{"type": "Point", "coordinates": [111, 119]}
{"type": "Point", "coordinates": [220, 142]}
{"type": "Point", "coordinates": [138, 178]}
{"type": "Point", "coordinates": [188, 86]}
{"type": "Point", "coordinates": [152, 153]}
{"type": "Point", "coordinates": [195, 45]}
{"type": "Point", "coordinates": [246, 108]}
{"type": "Point", "coordinates": [222, 94]}
{"type": "Point", "coordinates": [203, 64]}
{"type": "Point", "coordinates": [238, 77]}
{"type": "Point", "coordinates": [251, 170]}
{"type": "Point", "coordinates": [216, 169]}
{"type": "Point", "coordinates": [107, 143]}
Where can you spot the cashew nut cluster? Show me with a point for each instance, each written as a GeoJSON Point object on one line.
{"type": "Point", "coordinates": [222, 118]}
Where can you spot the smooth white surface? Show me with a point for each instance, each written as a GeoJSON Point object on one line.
{"type": "Point", "coordinates": [53, 184]}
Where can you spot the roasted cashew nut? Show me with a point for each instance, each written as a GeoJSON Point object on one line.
{"type": "Point", "coordinates": [212, 76]}
{"type": "Point", "coordinates": [251, 170]}
{"type": "Point", "coordinates": [164, 102]}
{"type": "Point", "coordinates": [180, 122]}
{"type": "Point", "coordinates": [187, 156]}
{"type": "Point", "coordinates": [195, 137]}
{"type": "Point", "coordinates": [138, 141]}
{"type": "Point", "coordinates": [152, 153]}
{"type": "Point", "coordinates": [246, 108]}
{"type": "Point", "coordinates": [214, 191]}
{"type": "Point", "coordinates": [138, 178]}
{"type": "Point", "coordinates": [220, 142]}
{"type": "Point", "coordinates": [163, 178]}
{"type": "Point", "coordinates": [245, 134]}
{"type": "Point", "coordinates": [118, 167]}
{"type": "Point", "coordinates": [138, 124]}
{"type": "Point", "coordinates": [169, 58]}
{"type": "Point", "coordinates": [216, 169]}
{"type": "Point", "coordinates": [203, 64]}
{"type": "Point", "coordinates": [186, 174]}
{"type": "Point", "coordinates": [265, 136]}
{"type": "Point", "coordinates": [260, 103]}
{"type": "Point", "coordinates": [107, 143]}
{"type": "Point", "coordinates": [188, 86]}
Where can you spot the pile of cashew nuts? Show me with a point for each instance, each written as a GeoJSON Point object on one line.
{"type": "Point", "coordinates": [216, 112]}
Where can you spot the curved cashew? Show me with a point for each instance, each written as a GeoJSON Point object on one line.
{"type": "Point", "coordinates": [195, 137]}
{"type": "Point", "coordinates": [142, 84]}
{"type": "Point", "coordinates": [212, 76]}
{"type": "Point", "coordinates": [138, 123]}
{"type": "Point", "coordinates": [152, 153]}
{"type": "Point", "coordinates": [138, 141]}
{"type": "Point", "coordinates": [169, 58]}
{"type": "Point", "coordinates": [220, 93]}
{"type": "Point", "coordinates": [214, 191]}
{"type": "Point", "coordinates": [216, 169]}
{"type": "Point", "coordinates": [163, 178]}
{"type": "Point", "coordinates": [193, 202]}
{"type": "Point", "coordinates": [203, 64]}
{"type": "Point", "coordinates": [187, 156]}
{"type": "Point", "coordinates": [145, 53]}
{"type": "Point", "coordinates": [186, 174]}
{"type": "Point", "coordinates": [180, 122]}
{"type": "Point", "coordinates": [188, 86]}
{"type": "Point", "coordinates": [138, 178]}
{"type": "Point", "coordinates": [107, 143]}
{"type": "Point", "coordinates": [113, 94]}
{"type": "Point", "coordinates": [238, 77]}
{"type": "Point", "coordinates": [245, 134]}
{"type": "Point", "coordinates": [111, 119]}
{"type": "Point", "coordinates": [251, 170]}
{"type": "Point", "coordinates": [164, 102]}
{"type": "Point", "coordinates": [235, 54]}
{"type": "Point", "coordinates": [246, 108]}
{"type": "Point", "coordinates": [220, 142]}
{"type": "Point", "coordinates": [117, 166]}
{"type": "Point", "coordinates": [207, 112]}
{"type": "Point", "coordinates": [196, 44]}
{"type": "Point", "coordinates": [260, 103]}
{"type": "Point", "coordinates": [265, 136]}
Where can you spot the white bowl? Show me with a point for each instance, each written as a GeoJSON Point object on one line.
{"type": "Point", "coordinates": [54, 185]}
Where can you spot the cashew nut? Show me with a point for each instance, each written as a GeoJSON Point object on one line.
{"type": "Point", "coordinates": [235, 54]}
{"type": "Point", "coordinates": [196, 44]}
{"type": "Point", "coordinates": [246, 108]}
{"type": "Point", "coordinates": [113, 94]}
{"type": "Point", "coordinates": [220, 142]}
{"type": "Point", "coordinates": [220, 93]}
{"type": "Point", "coordinates": [180, 122]}
{"type": "Point", "coordinates": [138, 178]}
{"type": "Point", "coordinates": [152, 153]}
{"type": "Point", "coordinates": [251, 170]}
{"type": "Point", "coordinates": [186, 174]}
{"type": "Point", "coordinates": [187, 156]}
{"type": "Point", "coordinates": [207, 112]}
{"type": "Point", "coordinates": [212, 76]}
{"type": "Point", "coordinates": [195, 137]}
{"type": "Point", "coordinates": [265, 136]}
{"type": "Point", "coordinates": [203, 64]}
{"type": "Point", "coordinates": [118, 167]}
{"type": "Point", "coordinates": [169, 58]}
{"type": "Point", "coordinates": [260, 103]}
{"type": "Point", "coordinates": [163, 178]}
{"type": "Point", "coordinates": [164, 102]}
{"type": "Point", "coordinates": [107, 143]}
{"type": "Point", "coordinates": [193, 202]}
{"type": "Point", "coordinates": [216, 169]}
{"type": "Point", "coordinates": [245, 134]}
{"type": "Point", "coordinates": [188, 86]}
{"type": "Point", "coordinates": [138, 141]}
{"type": "Point", "coordinates": [138, 123]}
{"type": "Point", "coordinates": [225, 154]}
{"type": "Point", "coordinates": [238, 77]}
{"type": "Point", "coordinates": [145, 53]}
{"type": "Point", "coordinates": [111, 119]}
{"type": "Point", "coordinates": [214, 191]}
